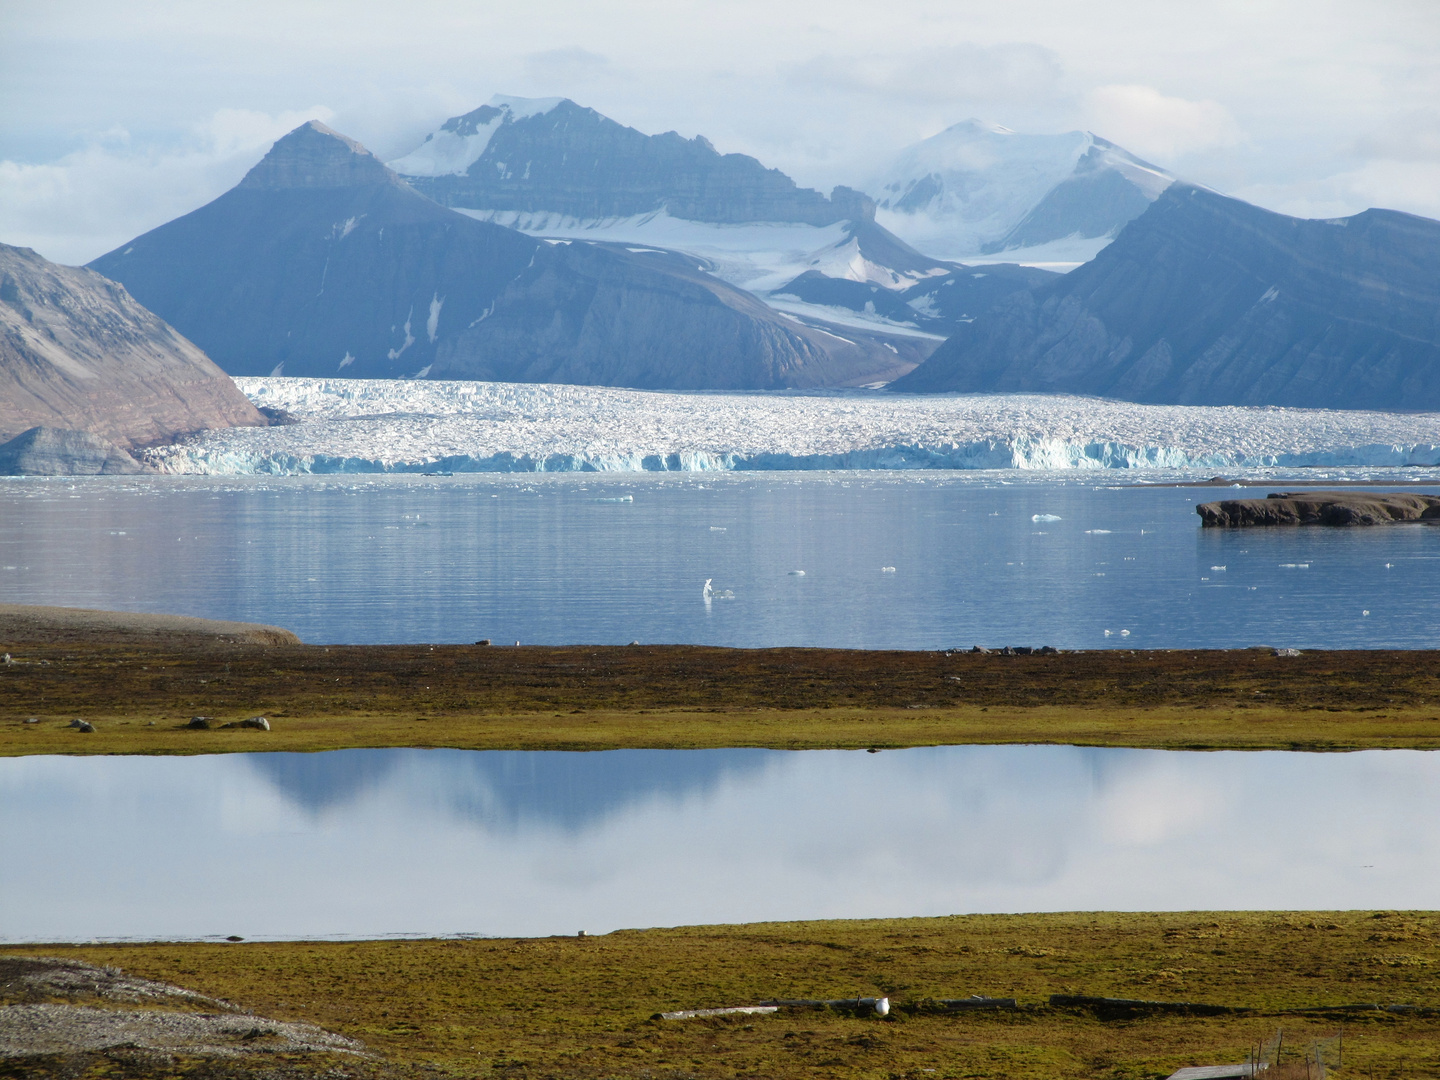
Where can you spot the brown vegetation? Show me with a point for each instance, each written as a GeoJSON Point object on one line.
{"type": "Point", "coordinates": [591, 697]}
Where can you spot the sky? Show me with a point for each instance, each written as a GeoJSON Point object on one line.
{"type": "Point", "coordinates": [115, 118]}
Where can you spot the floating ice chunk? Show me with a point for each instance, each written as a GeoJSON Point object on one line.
{"type": "Point", "coordinates": [1365, 612]}
{"type": "Point", "coordinates": [1124, 633]}
{"type": "Point", "coordinates": [717, 528]}
{"type": "Point", "coordinates": [1109, 632]}
{"type": "Point", "coordinates": [1217, 568]}
{"type": "Point", "coordinates": [887, 570]}
{"type": "Point", "coordinates": [1044, 517]}
{"type": "Point", "coordinates": [707, 592]}
{"type": "Point", "coordinates": [617, 499]}
{"type": "Point", "coordinates": [1294, 566]}
{"type": "Point", "coordinates": [797, 573]}
{"type": "Point", "coordinates": [1388, 565]}
{"type": "Point", "coordinates": [1097, 532]}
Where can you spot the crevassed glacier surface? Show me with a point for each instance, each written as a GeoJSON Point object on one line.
{"type": "Point", "coordinates": [360, 426]}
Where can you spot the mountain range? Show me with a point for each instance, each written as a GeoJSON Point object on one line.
{"type": "Point", "coordinates": [324, 262]}
{"type": "Point", "coordinates": [552, 168]}
{"type": "Point", "coordinates": [539, 241]}
{"type": "Point", "coordinates": [1208, 300]}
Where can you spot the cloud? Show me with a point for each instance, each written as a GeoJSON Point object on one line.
{"type": "Point", "coordinates": [95, 198]}
{"type": "Point", "coordinates": [565, 67]}
{"type": "Point", "coordinates": [1411, 186]}
{"type": "Point", "coordinates": [1145, 121]}
{"type": "Point", "coordinates": [1015, 73]}
{"type": "Point", "coordinates": [1411, 136]}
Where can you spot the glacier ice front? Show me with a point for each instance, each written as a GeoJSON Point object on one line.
{"type": "Point", "coordinates": [368, 426]}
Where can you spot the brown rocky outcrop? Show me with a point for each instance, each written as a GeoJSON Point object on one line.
{"type": "Point", "coordinates": [1320, 508]}
{"type": "Point", "coordinates": [77, 352]}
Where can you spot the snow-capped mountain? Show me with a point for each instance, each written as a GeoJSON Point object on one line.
{"type": "Point", "coordinates": [978, 190]}
{"type": "Point", "coordinates": [552, 168]}
{"type": "Point", "coordinates": [322, 261]}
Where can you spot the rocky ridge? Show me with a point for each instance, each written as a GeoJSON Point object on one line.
{"type": "Point", "coordinates": [554, 155]}
{"type": "Point", "coordinates": [1207, 300]}
{"type": "Point", "coordinates": [78, 352]}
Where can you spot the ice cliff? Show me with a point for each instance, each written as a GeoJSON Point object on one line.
{"type": "Point", "coordinates": [351, 425]}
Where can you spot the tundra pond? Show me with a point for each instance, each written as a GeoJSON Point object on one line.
{"type": "Point", "coordinates": [370, 843]}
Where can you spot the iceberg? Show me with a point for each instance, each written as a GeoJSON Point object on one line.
{"type": "Point", "coordinates": [433, 426]}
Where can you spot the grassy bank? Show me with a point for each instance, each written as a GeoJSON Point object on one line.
{"type": "Point", "coordinates": [588, 697]}
{"type": "Point", "coordinates": [582, 1007]}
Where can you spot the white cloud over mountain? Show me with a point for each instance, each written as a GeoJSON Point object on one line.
{"type": "Point", "coordinates": [1145, 121]}
{"type": "Point", "coordinates": [1301, 101]}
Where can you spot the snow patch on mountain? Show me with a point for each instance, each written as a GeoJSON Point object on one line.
{"type": "Point", "coordinates": [756, 256]}
{"type": "Point", "coordinates": [352, 425]}
{"type": "Point", "coordinates": [459, 143]}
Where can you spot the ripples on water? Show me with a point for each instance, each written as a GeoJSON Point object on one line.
{"type": "Point", "coordinates": [998, 558]}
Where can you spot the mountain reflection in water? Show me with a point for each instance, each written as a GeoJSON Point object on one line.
{"type": "Point", "coordinates": [363, 843]}
{"type": "Point", "coordinates": [505, 788]}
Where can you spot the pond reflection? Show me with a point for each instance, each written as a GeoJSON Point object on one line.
{"type": "Point", "coordinates": [365, 843]}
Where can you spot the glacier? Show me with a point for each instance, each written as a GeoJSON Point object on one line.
{"type": "Point", "coordinates": [415, 426]}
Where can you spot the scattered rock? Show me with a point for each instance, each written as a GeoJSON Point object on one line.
{"type": "Point", "coordinates": [483, 641]}
{"type": "Point", "coordinates": [31, 720]}
{"type": "Point", "coordinates": [199, 723]}
{"type": "Point", "coordinates": [257, 722]}
{"type": "Point", "coordinates": [40, 978]}
{"type": "Point", "coordinates": [33, 1030]}
{"type": "Point", "coordinates": [1287, 652]}
{"type": "Point", "coordinates": [83, 726]}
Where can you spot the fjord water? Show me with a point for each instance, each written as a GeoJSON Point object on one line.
{"type": "Point", "coordinates": [608, 559]}
{"type": "Point", "coordinates": [363, 843]}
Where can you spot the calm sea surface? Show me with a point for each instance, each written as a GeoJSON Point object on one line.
{"type": "Point", "coordinates": [603, 558]}
{"type": "Point", "coordinates": [365, 843]}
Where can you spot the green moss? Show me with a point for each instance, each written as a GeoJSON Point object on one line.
{"type": "Point", "coordinates": [582, 1007]}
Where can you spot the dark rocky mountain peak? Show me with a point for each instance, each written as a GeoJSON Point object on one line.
{"type": "Point", "coordinates": [1208, 300]}
{"type": "Point", "coordinates": [314, 156]}
{"type": "Point", "coordinates": [554, 156]}
{"type": "Point", "coordinates": [322, 263]}
{"type": "Point", "coordinates": [471, 122]}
